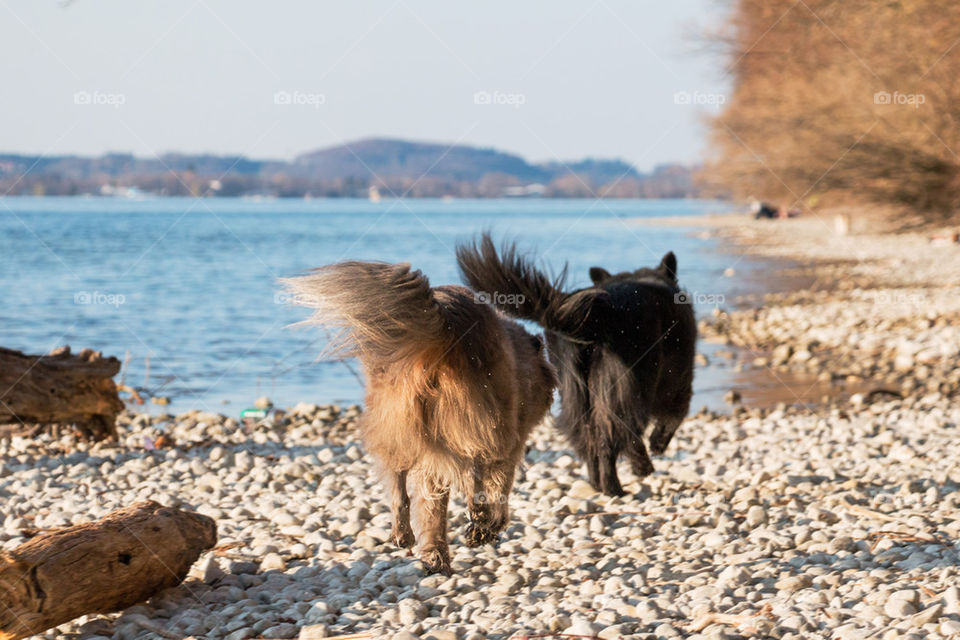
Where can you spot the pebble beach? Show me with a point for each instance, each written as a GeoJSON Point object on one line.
{"type": "Point", "coordinates": [839, 519]}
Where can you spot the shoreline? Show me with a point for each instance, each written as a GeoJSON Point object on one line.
{"type": "Point", "coordinates": [876, 312]}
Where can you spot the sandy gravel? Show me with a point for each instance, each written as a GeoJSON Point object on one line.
{"type": "Point", "coordinates": [794, 524]}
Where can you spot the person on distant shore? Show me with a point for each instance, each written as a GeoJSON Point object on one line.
{"type": "Point", "coordinates": [763, 210]}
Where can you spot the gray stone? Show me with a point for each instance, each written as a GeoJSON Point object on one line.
{"type": "Point", "coordinates": [794, 583]}
{"type": "Point", "coordinates": [615, 632]}
{"type": "Point", "coordinates": [842, 543]}
{"type": "Point", "coordinates": [733, 577]}
{"type": "Point", "coordinates": [756, 516]}
{"type": "Point", "coordinates": [949, 627]}
{"type": "Point", "coordinates": [508, 584]}
{"type": "Point", "coordinates": [582, 627]}
{"type": "Point", "coordinates": [928, 615]}
{"type": "Point", "coordinates": [951, 600]}
{"type": "Point", "coordinates": [411, 611]}
{"type": "Point", "coordinates": [666, 630]}
{"type": "Point", "coordinates": [285, 630]}
{"type": "Point", "coordinates": [900, 607]}
{"type": "Point", "coordinates": [272, 562]}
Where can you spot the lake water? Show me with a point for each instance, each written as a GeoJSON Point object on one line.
{"type": "Point", "coordinates": [189, 285]}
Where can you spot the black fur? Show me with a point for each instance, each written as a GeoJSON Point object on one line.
{"type": "Point", "coordinates": [624, 350]}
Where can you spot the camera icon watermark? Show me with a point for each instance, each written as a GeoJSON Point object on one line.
{"type": "Point", "coordinates": [99, 298]}
{"type": "Point", "coordinates": [499, 299]}
{"type": "Point", "coordinates": [301, 299]}
{"type": "Point", "coordinates": [696, 297]}
{"type": "Point", "coordinates": [99, 99]}
{"type": "Point", "coordinates": [699, 98]}
{"type": "Point", "coordinates": [499, 98]}
{"type": "Point", "coordinates": [899, 99]}
{"type": "Point", "coordinates": [299, 98]}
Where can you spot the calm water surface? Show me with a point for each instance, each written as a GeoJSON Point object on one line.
{"type": "Point", "coordinates": [190, 285]}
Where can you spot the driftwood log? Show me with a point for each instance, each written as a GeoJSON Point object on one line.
{"type": "Point", "coordinates": [99, 567]}
{"type": "Point", "coordinates": [59, 388]}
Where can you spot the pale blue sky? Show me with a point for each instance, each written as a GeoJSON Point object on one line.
{"type": "Point", "coordinates": [572, 79]}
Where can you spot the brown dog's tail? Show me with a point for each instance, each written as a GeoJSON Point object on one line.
{"type": "Point", "coordinates": [385, 312]}
{"type": "Point", "coordinates": [518, 288]}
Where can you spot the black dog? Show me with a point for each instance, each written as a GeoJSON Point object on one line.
{"type": "Point", "coordinates": [624, 350]}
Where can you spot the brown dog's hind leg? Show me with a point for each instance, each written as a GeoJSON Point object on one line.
{"type": "Point", "coordinates": [478, 508]}
{"type": "Point", "coordinates": [489, 502]}
{"type": "Point", "coordinates": [402, 534]}
{"type": "Point", "coordinates": [430, 505]}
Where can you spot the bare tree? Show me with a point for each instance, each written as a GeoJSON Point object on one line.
{"type": "Point", "coordinates": [853, 101]}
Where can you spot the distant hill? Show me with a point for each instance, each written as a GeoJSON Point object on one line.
{"type": "Point", "coordinates": [415, 169]}
{"type": "Point", "coordinates": [401, 159]}
{"type": "Point", "coordinates": [598, 172]}
{"type": "Point", "coordinates": [389, 158]}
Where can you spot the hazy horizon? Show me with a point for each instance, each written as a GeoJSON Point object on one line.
{"type": "Point", "coordinates": [563, 81]}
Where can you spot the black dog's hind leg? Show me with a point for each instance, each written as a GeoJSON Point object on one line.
{"type": "Point", "coordinates": [609, 481]}
{"type": "Point", "coordinates": [600, 449]}
{"type": "Point", "coordinates": [640, 461]}
{"type": "Point", "coordinates": [662, 434]}
{"type": "Point", "coordinates": [593, 469]}
{"type": "Point", "coordinates": [669, 415]}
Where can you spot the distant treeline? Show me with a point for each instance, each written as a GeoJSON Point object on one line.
{"type": "Point", "coordinates": [855, 101]}
{"type": "Point", "coordinates": [394, 167]}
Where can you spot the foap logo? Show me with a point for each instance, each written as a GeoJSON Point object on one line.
{"type": "Point", "coordinates": [99, 298]}
{"type": "Point", "coordinates": [499, 98]}
{"type": "Point", "coordinates": [299, 98]}
{"type": "Point", "coordinates": [482, 497]}
{"type": "Point", "coordinates": [301, 299]}
{"type": "Point", "coordinates": [696, 297]}
{"type": "Point", "coordinates": [898, 298]}
{"type": "Point", "coordinates": [899, 99]}
{"type": "Point", "coordinates": [699, 98]}
{"type": "Point", "coordinates": [99, 99]}
{"type": "Point", "coordinates": [499, 299]}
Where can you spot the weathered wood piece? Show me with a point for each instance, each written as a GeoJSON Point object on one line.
{"type": "Point", "coordinates": [59, 388]}
{"type": "Point", "coordinates": [103, 566]}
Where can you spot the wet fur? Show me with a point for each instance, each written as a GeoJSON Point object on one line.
{"type": "Point", "coordinates": [624, 350]}
{"type": "Point", "coordinates": [453, 390]}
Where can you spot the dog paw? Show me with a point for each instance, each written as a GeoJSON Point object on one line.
{"type": "Point", "coordinates": [657, 447]}
{"type": "Point", "coordinates": [614, 491]}
{"type": "Point", "coordinates": [403, 538]}
{"type": "Point", "coordinates": [476, 536]}
{"type": "Point", "coordinates": [642, 469]}
{"type": "Point", "coordinates": [435, 561]}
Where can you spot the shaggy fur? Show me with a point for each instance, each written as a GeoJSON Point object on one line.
{"type": "Point", "coordinates": [624, 350]}
{"type": "Point", "coordinates": [453, 390]}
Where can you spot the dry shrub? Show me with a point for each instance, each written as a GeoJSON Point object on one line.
{"type": "Point", "coordinates": [853, 101]}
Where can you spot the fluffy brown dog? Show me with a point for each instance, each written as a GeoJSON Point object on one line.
{"type": "Point", "coordinates": [453, 390]}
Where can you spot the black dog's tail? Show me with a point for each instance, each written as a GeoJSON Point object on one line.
{"type": "Point", "coordinates": [515, 286]}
